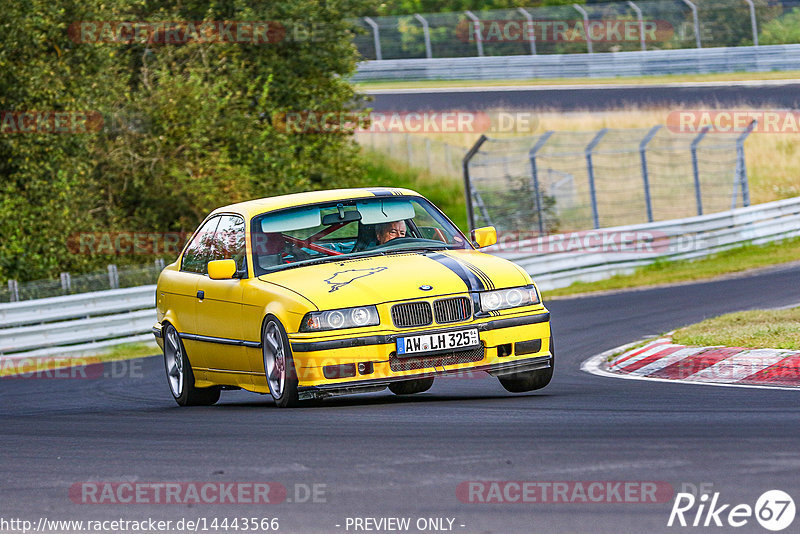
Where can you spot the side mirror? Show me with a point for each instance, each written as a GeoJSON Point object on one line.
{"type": "Point", "coordinates": [221, 269]}
{"type": "Point", "coordinates": [485, 236]}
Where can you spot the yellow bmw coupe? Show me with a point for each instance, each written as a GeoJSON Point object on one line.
{"type": "Point", "coordinates": [327, 293]}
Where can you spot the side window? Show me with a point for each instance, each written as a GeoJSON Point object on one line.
{"type": "Point", "coordinates": [198, 253]}
{"type": "Point", "coordinates": [229, 241]}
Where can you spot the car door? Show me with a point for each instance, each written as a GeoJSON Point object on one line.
{"type": "Point", "coordinates": [183, 295]}
{"type": "Point", "coordinates": [219, 308]}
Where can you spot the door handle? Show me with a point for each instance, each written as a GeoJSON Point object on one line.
{"type": "Point", "coordinates": [201, 295]}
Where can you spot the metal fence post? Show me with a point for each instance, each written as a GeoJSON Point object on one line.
{"type": "Point", "coordinates": [113, 276]}
{"type": "Point", "coordinates": [531, 33]}
{"type": "Point", "coordinates": [467, 183]}
{"type": "Point", "coordinates": [585, 15]}
{"type": "Point", "coordinates": [590, 170]}
{"type": "Point", "coordinates": [376, 37]}
{"type": "Point", "coordinates": [160, 264]}
{"type": "Point", "coordinates": [753, 22]}
{"type": "Point", "coordinates": [645, 178]}
{"type": "Point", "coordinates": [741, 165]}
{"type": "Point", "coordinates": [696, 171]}
{"type": "Point", "coordinates": [476, 30]}
{"type": "Point", "coordinates": [13, 289]}
{"type": "Point", "coordinates": [696, 23]}
{"type": "Point", "coordinates": [641, 23]}
{"type": "Point", "coordinates": [535, 175]}
{"type": "Point", "coordinates": [409, 150]}
{"type": "Point", "coordinates": [66, 282]}
{"type": "Point", "coordinates": [426, 33]}
{"type": "Point", "coordinates": [447, 158]}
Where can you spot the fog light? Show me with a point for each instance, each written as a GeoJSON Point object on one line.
{"type": "Point", "coordinates": [339, 371]}
{"type": "Point", "coordinates": [528, 347]}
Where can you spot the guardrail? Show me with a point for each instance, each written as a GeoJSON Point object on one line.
{"type": "Point", "coordinates": [86, 322]}
{"type": "Point", "coordinates": [600, 65]}
{"type": "Point", "coordinates": [80, 323]}
{"type": "Point", "coordinates": [556, 261]}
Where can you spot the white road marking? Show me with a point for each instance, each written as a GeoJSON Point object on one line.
{"type": "Point", "coordinates": [595, 366]}
{"type": "Point", "coordinates": [741, 365]}
{"type": "Point", "coordinates": [649, 352]}
{"type": "Point", "coordinates": [659, 364]}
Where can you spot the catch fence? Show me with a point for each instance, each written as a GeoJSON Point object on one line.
{"type": "Point", "coordinates": [567, 181]}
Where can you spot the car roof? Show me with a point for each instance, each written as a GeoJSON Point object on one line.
{"type": "Point", "coordinates": [251, 208]}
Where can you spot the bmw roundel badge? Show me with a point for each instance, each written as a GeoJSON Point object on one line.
{"type": "Point", "coordinates": [426, 287]}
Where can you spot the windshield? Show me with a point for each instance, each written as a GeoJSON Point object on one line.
{"type": "Point", "coordinates": [343, 229]}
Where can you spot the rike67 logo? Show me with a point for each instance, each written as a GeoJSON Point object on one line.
{"type": "Point", "coordinates": [774, 510]}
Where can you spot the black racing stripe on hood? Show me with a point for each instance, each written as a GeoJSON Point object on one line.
{"type": "Point", "coordinates": [478, 272]}
{"type": "Point", "coordinates": [381, 192]}
{"type": "Point", "coordinates": [471, 280]}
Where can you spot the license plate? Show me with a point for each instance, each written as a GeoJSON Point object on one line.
{"type": "Point", "coordinates": [438, 342]}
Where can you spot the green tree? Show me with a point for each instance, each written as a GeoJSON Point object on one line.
{"type": "Point", "coordinates": [44, 193]}
{"type": "Point", "coordinates": [187, 126]}
{"type": "Point", "coordinates": [781, 30]}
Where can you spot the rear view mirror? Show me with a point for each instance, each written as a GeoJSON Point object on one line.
{"type": "Point", "coordinates": [221, 269]}
{"type": "Point", "coordinates": [343, 217]}
{"type": "Point", "coordinates": [484, 237]}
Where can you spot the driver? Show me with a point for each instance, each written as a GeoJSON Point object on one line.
{"type": "Point", "coordinates": [385, 232]}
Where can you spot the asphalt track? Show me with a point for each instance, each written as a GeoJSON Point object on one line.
{"type": "Point", "coordinates": [777, 94]}
{"type": "Point", "coordinates": [381, 455]}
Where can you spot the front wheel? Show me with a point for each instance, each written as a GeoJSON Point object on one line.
{"type": "Point", "coordinates": [279, 364]}
{"type": "Point", "coordinates": [180, 376]}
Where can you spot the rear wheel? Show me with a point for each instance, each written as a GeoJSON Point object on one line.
{"type": "Point", "coordinates": [529, 380]}
{"type": "Point", "coordinates": [180, 376]}
{"type": "Point", "coordinates": [279, 364]}
{"type": "Point", "coordinates": [409, 387]}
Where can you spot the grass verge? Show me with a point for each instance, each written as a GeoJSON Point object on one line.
{"type": "Point", "coordinates": [638, 80]}
{"type": "Point", "coordinates": [759, 329]}
{"type": "Point", "coordinates": [666, 272]}
{"type": "Point", "coordinates": [43, 365]}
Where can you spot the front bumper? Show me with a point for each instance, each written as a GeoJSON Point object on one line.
{"type": "Point", "coordinates": [379, 384]}
{"type": "Point", "coordinates": [509, 344]}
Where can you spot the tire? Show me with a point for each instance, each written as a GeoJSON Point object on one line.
{"type": "Point", "coordinates": [180, 376]}
{"type": "Point", "coordinates": [409, 387]}
{"type": "Point", "coordinates": [279, 366]}
{"type": "Point", "coordinates": [529, 380]}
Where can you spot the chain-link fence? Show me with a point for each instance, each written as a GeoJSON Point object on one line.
{"type": "Point", "coordinates": [437, 157]}
{"type": "Point", "coordinates": [569, 29]}
{"type": "Point", "coordinates": [68, 284]}
{"type": "Point", "coordinates": [565, 181]}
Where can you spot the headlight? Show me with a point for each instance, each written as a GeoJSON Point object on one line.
{"type": "Point", "coordinates": [343, 318]}
{"type": "Point", "coordinates": [508, 298]}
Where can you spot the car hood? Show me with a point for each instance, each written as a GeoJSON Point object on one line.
{"type": "Point", "coordinates": [398, 276]}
